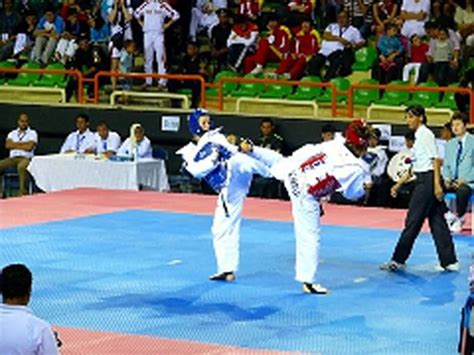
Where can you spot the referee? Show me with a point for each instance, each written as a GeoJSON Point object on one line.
{"type": "Point", "coordinates": [426, 201]}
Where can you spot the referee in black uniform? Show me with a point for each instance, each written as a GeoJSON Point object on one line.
{"type": "Point", "coordinates": [426, 201]}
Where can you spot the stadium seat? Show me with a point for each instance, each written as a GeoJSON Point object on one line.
{"type": "Point", "coordinates": [304, 93]}
{"type": "Point", "coordinates": [366, 96]}
{"type": "Point", "coordinates": [448, 100]}
{"type": "Point", "coordinates": [25, 79]}
{"type": "Point", "coordinates": [341, 84]}
{"type": "Point", "coordinates": [228, 87]}
{"type": "Point", "coordinates": [277, 91]}
{"type": "Point", "coordinates": [364, 59]}
{"type": "Point", "coordinates": [425, 98]}
{"type": "Point", "coordinates": [394, 97]}
{"type": "Point", "coordinates": [5, 64]}
{"type": "Point", "coordinates": [249, 89]}
{"type": "Point", "coordinates": [52, 80]}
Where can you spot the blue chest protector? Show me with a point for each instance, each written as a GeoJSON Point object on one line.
{"type": "Point", "coordinates": [217, 178]}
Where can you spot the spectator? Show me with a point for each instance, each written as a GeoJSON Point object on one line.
{"type": "Point", "coordinates": [47, 33]}
{"type": "Point", "coordinates": [390, 61]}
{"type": "Point", "coordinates": [21, 143]}
{"type": "Point", "coordinates": [358, 11]}
{"type": "Point", "coordinates": [204, 17]}
{"type": "Point", "coordinates": [417, 58]}
{"type": "Point", "coordinates": [340, 40]}
{"type": "Point", "coordinates": [25, 34]}
{"type": "Point", "coordinates": [193, 64]}
{"type": "Point", "coordinates": [242, 39]}
{"type": "Point", "coordinates": [458, 169]}
{"type": "Point", "coordinates": [99, 30]}
{"type": "Point", "coordinates": [294, 11]}
{"type": "Point", "coordinates": [328, 132]}
{"type": "Point", "coordinates": [126, 63]}
{"type": "Point", "coordinates": [268, 138]}
{"type": "Point", "coordinates": [409, 140]}
{"type": "Point", "coordinates": [384, 13]}
{"type": "Point", "coordinates": [274, 47]}
{"type": "Point", "coordinates": [107, 142]}
{"type": "Point", "coordinates": [464, 18]}
{"type": "Point", "coordinates": [250, 9]}
{"type": "Point", "coordinates": [379, 150]}
{"type": "Point", "coordinates": [137, 146]}
{"type": "Point", "coordinates": [72, 7]}
{"type": "Point", "coordinates": [219, 35]}
{"type": "Point", "coordinates": [81, 141]}
{"type": "Point", "coordinates": [305, 46]}
{"type": "Point", "coordinates": [154, 25]}
{"type": "Point", "coordinates": [68, 44]}
{"type": "Point", "coordinates": [443, 13]}
{"type": "Point", "coordinates": [446, 133]}
{"type": "Point", "coordinates": [380, 188]}
{"type": "Point", "coordinates": [22, 332]}
{"type": "Point", "coordinates": [119, 17]}
{"type": "Point", "coordinates": [442, 60]}
{"type": "Point", "coordinates": [414, 13]}
{"type": "Point", "coordinates": [88, 60]}
{"type": "Point", "coordinates": [9, 22]}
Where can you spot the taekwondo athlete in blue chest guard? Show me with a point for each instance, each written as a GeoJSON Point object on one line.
{"type": "Point", "coordinates": [229, 172]}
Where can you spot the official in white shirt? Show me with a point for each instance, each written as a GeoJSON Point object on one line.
{"type": "Point", "coordinates": [21, 143]}
{"type": "Point", "coordinates": [427, 200]}
{"type": "Point", "coordinates": [21, 332]}
{"type": "Point", "coordinates": [340, 40]}
{"type": "Point", "coordinates": [81, 141]}
{"type": "Point", "coordinates": [137, 146]}
{"type": "Point", "coordinates": [107, 142]}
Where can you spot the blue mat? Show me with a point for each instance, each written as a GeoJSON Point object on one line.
{"type": "Point", "coordinates": [144, 272]}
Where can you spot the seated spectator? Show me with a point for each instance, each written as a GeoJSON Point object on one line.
{"type": "Point", "coordinates": [47, 33]}
{"type": "Point", "coordinates": [442, 12]}
{"type": "Point", "coordinates": [446, 133]}
{"type": "Point", "coordinates": [193, 64]}
{"type": "Point", "coordinates": [464, 18]}
{"type": "Point", "coordinates": [242, 39]}
{"type": "Point", "coordinates": [359, 11]}
{"type": "Point", "coordinates": [137, 146]}
{"type": "Point", "coordinates": [294, 11]}
{"type": "Point", "coordinates": [340, 40]}
{"type": "Point", "coordinates": [88, 60]}
{"type": "Point", "coordinates": [99, 30]}
{"type": "Point", "coordinates": [81, 141]}
{"type": "Point", "coordinates": [219, 35]}
{"type": "Point", "coordinates": [417, 58]}
{"type": "Point", "coordinates": [384, 13]}
{"type": "Point", "coordinates": [68, 44]}
{"type": "Point", "coordinates": [274, 47]}
{"type": "Point", "coordinates": [73, 7]}
{"type": "Point", "coordinates": [126, 63]}
{"type": "Point", "coordinates": [250, 9]}
{"type": "Point", "coordinates": [9, 22]}
{"type": "Point", "coordinates": [25, 35]}
{"type": "Point", "coordinates": [204, 17]}
{"type": "Point", "coordinates": [21, 143]}
{"type": "Point", "coordinates": [414, 13]}
{"type": "Point", "coordinates": [458, 169]}
{"type": "Point", "coordinates": [305, 45]}
{"type": "Point", "coordinates": [328, 132]}
{"type": "Point", "coordinates": [389, 65]}
{"type": "Point", "coordinates": [22, 332]}
{"type": "Point", "coordinates": [107, 142]}
{"type": "Point", "coordinates": [442, 60]}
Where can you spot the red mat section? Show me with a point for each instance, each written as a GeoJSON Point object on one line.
{"type": "Point", "coordinates": [83, 202]}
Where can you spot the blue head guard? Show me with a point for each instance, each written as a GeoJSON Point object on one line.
{"type": "Point", "coordinates": [193, 122]}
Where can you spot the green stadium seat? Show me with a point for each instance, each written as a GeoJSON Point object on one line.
{"type": "Point", "coordinates": [425, 98]}
{"type": "Point", "coordinates": [3, 76]}
{"type": "Point", "coordinates": [304, 93]}
{"type": "Point", "coordinates": [277, 91]}
{"type": "Point", "coordinates": [52, 80]}
{"type": "Point", "coordinates": [188, 92]}
{"type": "Point", "coordinates": [364, 59]}
{"type": "Point", "coordinates": [394, 97]}
{"type": "Point", "coordinates": [366, 96]}
{"type": "Point", "coordinates": [448, 100]}
{"type": "Point", "coordinates": [25, 79]}
{"type": "Point", "coordinates": [227, 87]}
{"type": "Point", "coordinates": [249, 89]}
{"type": "Point", "coordinates": [341, 84]}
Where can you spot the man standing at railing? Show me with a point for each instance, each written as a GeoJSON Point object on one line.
{"type": "Point", "coordinates": [152, 15]}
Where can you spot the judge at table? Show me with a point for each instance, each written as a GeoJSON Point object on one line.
{"type": "Point", "coordinates": [136, 144]}
{"type": "Point", "coordinates": [81, 141]}
{"type": "Point", "coordinates": [107, 142]}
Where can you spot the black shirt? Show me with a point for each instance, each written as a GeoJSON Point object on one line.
{"type": "Point", "coordinates": [219, 35]}
{"type": "Point", "coordinates": [273, 142]}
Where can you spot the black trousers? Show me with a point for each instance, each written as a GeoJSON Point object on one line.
{"type": "Point", "coordinates": [442, 73]}
{"type": "Point", "coordinates": [463, 195]}
{"type": "Point", "coordinates": [423, 204]}
{"type": "Point", "coordinates": [340, 64]}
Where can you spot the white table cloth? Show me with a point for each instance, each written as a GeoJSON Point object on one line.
{"type": "Point", "coordinates": [64, 172]}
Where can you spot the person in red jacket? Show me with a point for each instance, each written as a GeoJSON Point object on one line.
{"type": "Point", "coordinates": [273, 48]}
{"type": "Point", "coordinates": [305, 45]}
{"type": "Point", "coordinates": [249, 8]}
{"type": "Point", "coordinates": [294, 11]}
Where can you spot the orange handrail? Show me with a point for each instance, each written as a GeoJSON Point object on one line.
{"type": "Point", "coordinates": [350, 100]}
{"type": "Point", "coordinates": [220, 96]}
{"type": "Point", "coordinates": [73, 72]}
{"type": "Point", "coordinates": [151, 75]}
